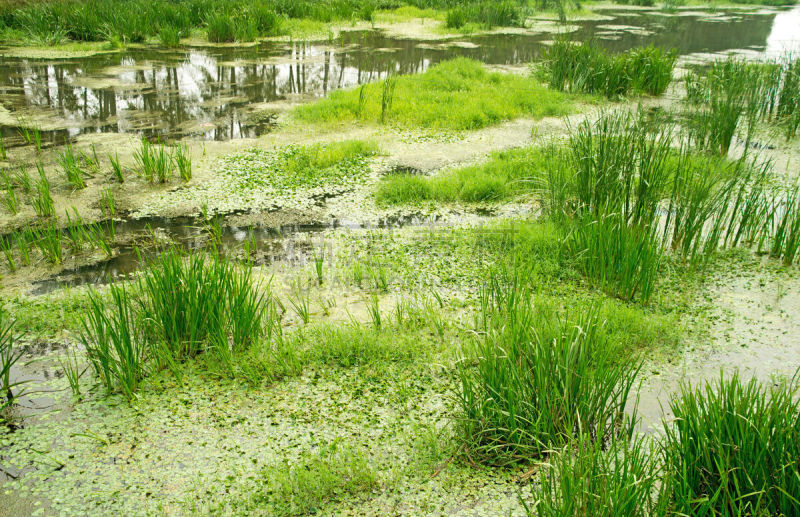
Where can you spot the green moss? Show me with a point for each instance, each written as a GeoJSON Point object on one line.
{"type": "Point", "coordinates": [457, 95]}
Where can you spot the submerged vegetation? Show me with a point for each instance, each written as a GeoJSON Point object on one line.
{"type": "Point", "coordinates": [459, 94]}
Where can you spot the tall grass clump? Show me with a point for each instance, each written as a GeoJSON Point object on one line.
{"type": "Point", "coordinates": [181, 307]}
{"type": "Point", "coordinates": [535, 380]}
{"type": "Point", "coordinates": [622, 258]}
{"type": "Point", "coordinates": [732, 96]}
{"type": "Point", "coordinates": [113, 342]}
{"type": "Point", "coordinates": [618, 479]}
{"type": "Point", "coordinates": [786, 233]}
{"type": "Point", "coordinates": [588, 68]}
{"type": "Point", "coordinates": [503, 13]}
{"type": "Point", "coordinates": [734, 449]}
{"type": "Point", "coordinates": [72, 169]}
{"type": "Point", "coordinates": [459, 94]}
{"type": "Point", "coordinates": [8, 358]}
{"type": "Point", "coordinates": [154, 162]}
{"type": "Point", "coordinates": [43, 201]}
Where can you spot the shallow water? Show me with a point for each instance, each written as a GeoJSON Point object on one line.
{"type": "Point", "coordinates": [292, 244]}
{"type": "Point", "coordinates": [218, 93]}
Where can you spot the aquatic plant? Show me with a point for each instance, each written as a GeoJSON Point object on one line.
{"type": "Point", "coordinates": [374, 310]}
{"type": "Point", "coordinates": [72, 371]}
{"type": "Point", "coordinates": [8, 358]}
{"type": "Point", "coordinates": [786, 235]}
{"type": "Point", "coordinates": [43, 202]}
{"type": "Point", "coordinates": [48, 241]}
{"type": "Point", "coordinates": [170, 37]}
{"type": "Point", "coordinates": [183, 162]}
{"type": "Point", "coordinates": [535, 380]}
{"type": "Point", "coordinates": [319, 261]}
{"type": "Point", "coordinates": [458, 94]}
{"type": "Point", "coordinates": [734, 448]}
{"type": "Point", "coordinates": [154, 162]}
{"type": "Point", "coordinates": [116, 168]}
{"type": "Point", "coordinates": [10, 199]}
{"type": "Point", "coordinates": [113, 342]}
{"type": "Point", "coordinates": [616, 479]}
{"type": "Point", "coordinates": [585, 67]}
{"type": "Point", "coordinates": [7, 248]}
{"type": "Point", "coordinates": [72, 170]}
{"type": "Point", "coordinates": [107, 202]}
{"type": "Point", "coordinates": [23, 180]}
{"type": "Point", "coordinates": [622, 258]}
{"type": "Point", "coordinates": [504, 13]}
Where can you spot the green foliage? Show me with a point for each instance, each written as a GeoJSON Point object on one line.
{"type": "Point", "coordinates": [303, 488]}
{"type": "Point", "coordinates": [588, 68]}
{"type": "Point", "coordinates": [457, 94]}
{"type": "Point", "coordinates": [73, 171]}
{"type": "Point", "coordinates": [170, 37]}
{"type": "Point", "coordinates": [734, 448]}
{"type": "Point", "coordinates": [622, 258]}
{"type": "Point", "coordinates": [8, 358]}
{"type": "Point", "coordinates": [43, 202]}
{"type": "Point", "coordinates": [503, 13]}
{"type": "Point", "coordinates": [535, 380]}
{"type": "Point", "coordinates": [291, 167]}
{"type": "Point", "coordinates": [618, 479]}
{"type": "Point", "coordinates": [504, 175]}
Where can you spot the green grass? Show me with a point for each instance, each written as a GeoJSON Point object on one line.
{"type": "Point", "coordinates": [459, 94]}
{"type": "Point", "coordinates": [292, 167]}
{"type": "Point", "coordinates": [734, 448]}
{"type": "Point", "coordinates": [504, 13]}
{"type": "Point", "coordinates": [619, 479]}
{"type": "Point", "coordinates": [588, 68]}
{"type": "Point", "coordinates": [504, 175]}
{"type": "Point", "coordinates": [535, 380]}
{"type": "Point", "coordinates": [9, 335]}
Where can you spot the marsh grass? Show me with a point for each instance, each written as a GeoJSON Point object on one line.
{"type": "Point", "coordinates": [618, 479]}
{"type": "Point", "coordinates": [486, 14]}
{"type": "Point", "coordinates": [505, 175]}
{"type": "Point", "coordinates": [9, 356]}
{"type": "Point", "coordinates": [43, 202]}
{"type": "Point", "coordinates": [733, 95]}
{"type": "Point", "coordinates": [292, 167]}
{"type": "Point", "coordinates": [459, 94]}
{"type": "Point", "coordinates": [180, 308]}
{"type": "Point", "coordinates": [786, 234]}
{"type": "Point", "coordinates": [623, 259]}
{"type": "Point", "coordinates": [155, 163]}
{"type": "Point", "coordinates": [588, 68]}
{"type": "Point", "coordinates": [73, 171]}
{"type": "Point", "coordinates": [734, 448]}
{"type": "Point", "coordinates": [183, 162]}
{"type": "Point", "coordinates": [113, 342]}
{"type": "Point", "coordinates": [535, 380]}
{"type": "Point", "coordinates": [116, 168]}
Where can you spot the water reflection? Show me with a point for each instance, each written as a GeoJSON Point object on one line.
{"type": "Point", "coordinates": [221, 93]}
{"type": "Point", "coordinates": [784, 38]}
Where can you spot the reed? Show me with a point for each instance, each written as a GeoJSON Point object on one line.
{"type": "Point", "coordinates": [618, 479]}
{"type": "Point", "coordinates": [9, 356]}
{"type": "Point", "coordinates": [623, 259]}
{"type": "Point", "coordinates": [535, 380]}
{"type": "Point", "coordinates": [734, 448]}
{"type": "Point", "coordinates": [7, 247]}
{"type": "Point", "coordinates": [113, 344]}
{"type": "Point", "coordinates": [43, 202]}
{"type": "Point", "coordinates": [23, 180]}
{"type": "Point", "coordinates": [183, 162]}
{"type": "Point", "coordinates": [154, 162]}
{"type": "Point", "coordinates": [107, 202]}
{"type": "Point", "coordinates": [48, 241]}
{"type": "Point", "coordinates": [10, 199]}
{"type": "Point", "coordinates": [72, 170]}
{"type": "Point", "coordinates": [588, 68]}
{"type": "Point", "coordinates": [116, 168]}
{"type": "Point", "coordinates": [786, 235]}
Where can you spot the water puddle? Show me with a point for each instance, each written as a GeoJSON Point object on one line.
{"type": "Point", "coordinates": [221, 93]}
